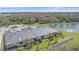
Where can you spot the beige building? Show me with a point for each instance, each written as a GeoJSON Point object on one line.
{"type": "Point", "coordinates": [2, 41]}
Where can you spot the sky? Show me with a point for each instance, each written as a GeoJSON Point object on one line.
{"type": "Point", "coordinates": [39, 9]}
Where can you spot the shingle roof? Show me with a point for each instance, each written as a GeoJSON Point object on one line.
{"type": "Point", "coordinates": [26, 33]}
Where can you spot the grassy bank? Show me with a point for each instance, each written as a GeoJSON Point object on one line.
{"type": "Point", "coordinates": [73, 45]}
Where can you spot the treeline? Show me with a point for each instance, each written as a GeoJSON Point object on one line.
{"type": "Point", "coordinates": [29, 18]}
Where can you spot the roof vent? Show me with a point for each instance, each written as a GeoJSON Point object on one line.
{"type": "Point", "coordinates": [17, 29]}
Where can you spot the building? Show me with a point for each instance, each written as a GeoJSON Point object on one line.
{"type": "Point", "coordinates": [2, 41]}
{"type": "Point", "coordinates": [25, 36]}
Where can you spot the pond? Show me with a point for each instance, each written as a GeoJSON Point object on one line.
{"type": "Point", "coordinates": [67, 27]}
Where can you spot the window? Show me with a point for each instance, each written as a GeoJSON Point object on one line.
{"type": "Point", "coordinates": [21, 43]}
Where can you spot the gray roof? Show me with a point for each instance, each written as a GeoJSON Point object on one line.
{"type": "Point", "coordinates": [12, 37]}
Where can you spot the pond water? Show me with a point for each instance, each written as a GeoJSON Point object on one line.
{"type": "Point", "coordinates": [67, 27]}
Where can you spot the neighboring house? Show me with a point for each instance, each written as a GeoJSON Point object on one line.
{"type": "Point", "coordinates": [26, 36]}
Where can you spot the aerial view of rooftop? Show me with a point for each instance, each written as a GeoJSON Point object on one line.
{"type": "Point", "coordinates": [39, 28]}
